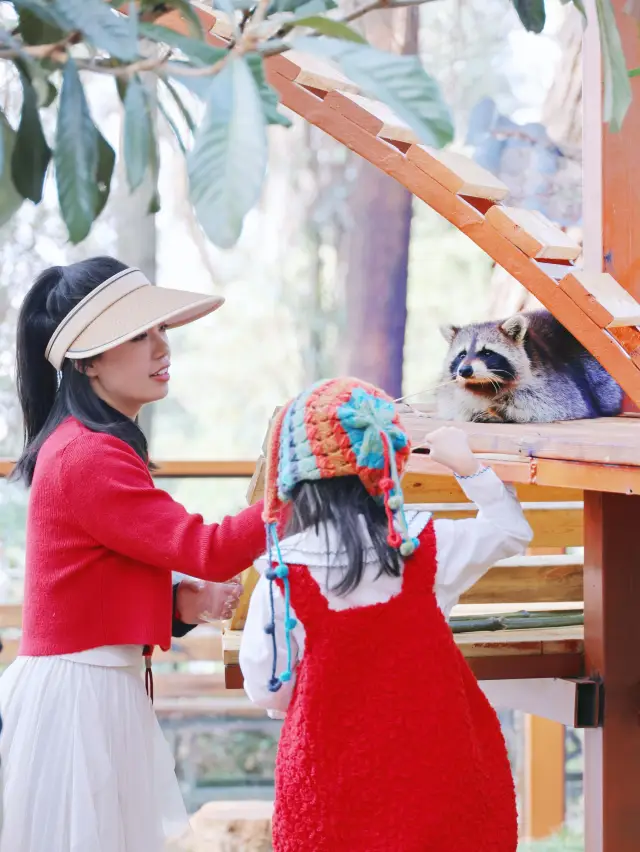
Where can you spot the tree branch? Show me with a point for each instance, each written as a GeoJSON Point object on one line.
{"type": "Point", "coordinates": [376, 5]}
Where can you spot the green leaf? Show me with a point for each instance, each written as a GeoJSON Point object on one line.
{"type": "Point", "coordinates": [398, 81]}
{"type": "Point", "coordinates": [268, 95]}
{"type": "Point", "coordinates": [229, 157]}
{"type": "Point", "coordinates": [31, 154]}
{"type": "Point", "coordinates": [100, 25]}
{"type": "Point", "coordinates": [174, 127]}
{"type": "Point", "coordinates": [326, 26]}
{"type": "Point", "coordinates": [617, 88]}
{"type": "Point", "coordinates": [199, 52]}
{"type": "Point", "coordinates": [76, 156]}
{"type": "Point", "coordinates": [154, 161]}
{"type": "Point", "coordinates": [186, 115]}
{"type": "Point", "coordinates": [36, 30]}
{"type": "Point", "coordinates": [635, 72]}
{"type": "Point", "coordinates": [45, 12]}
{"type": "Point", "coordinates": [106, 163]}
{"type": "Point", "coordinates": [531, 13]}
{"type": "Point", "coordinates": [138, 131]}
{"type": "Point", "coordinates": [10, 199]}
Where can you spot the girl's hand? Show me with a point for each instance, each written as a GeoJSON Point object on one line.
{"type": "Point", "coordinates": [450, 446]}
{"type": "Point", "coordinates": [198, 602]}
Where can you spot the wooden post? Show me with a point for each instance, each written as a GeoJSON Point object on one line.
{"type": "Point", "coordinates": [612, 640]}
{"type": "Point", "coordinates": [544, 799]}
{"type": "Point", "coordinates": [611, 205]}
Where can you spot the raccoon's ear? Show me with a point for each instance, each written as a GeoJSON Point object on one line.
{"type": "Point", "coordinates": [516, 327]}
{"type": "Point", "coordinates": [449, 332]}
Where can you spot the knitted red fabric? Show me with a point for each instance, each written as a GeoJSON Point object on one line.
{"type": "Point", "coordinates": [102, 542]}
{"type": "Point", "coordinates": [389, 743]}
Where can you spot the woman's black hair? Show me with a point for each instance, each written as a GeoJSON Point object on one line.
{"type": "Point", "coordinates": [47, 397]}
{"type": "Point", "coordinates": [344, 502]}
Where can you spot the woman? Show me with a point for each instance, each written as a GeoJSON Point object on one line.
{"type": "Point", "coordinates": [86, 767]}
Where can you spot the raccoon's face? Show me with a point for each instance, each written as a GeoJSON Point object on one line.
{"type": "Point", "coordinates": [487, 358]}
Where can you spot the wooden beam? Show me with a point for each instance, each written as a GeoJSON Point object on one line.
{"type": "Point", "coordinates": [544, 799]}
{"type": "Point", "coordinates": [184, 468]}
{"type": "Point", "coordinates": [612, 639]}
{"type": "Point", "coordinates": [529, 580]}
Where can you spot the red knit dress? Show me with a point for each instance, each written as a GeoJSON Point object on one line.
{"type": "Point", "coordinates": [389, 744]}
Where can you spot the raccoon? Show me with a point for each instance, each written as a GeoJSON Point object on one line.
{"type": "Point", "coordinates": [525, 369]}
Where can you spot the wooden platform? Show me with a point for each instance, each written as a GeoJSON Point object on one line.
{"type": "Point", "coordinates": [560, 459]}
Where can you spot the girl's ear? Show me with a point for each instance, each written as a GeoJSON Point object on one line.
{"type": "Point", "coordinates": [87, 367]}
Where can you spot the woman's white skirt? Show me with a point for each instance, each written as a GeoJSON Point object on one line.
{"type": "Point", "coordinates": [85, 765]}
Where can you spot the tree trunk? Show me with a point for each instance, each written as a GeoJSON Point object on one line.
{"type": "Point", "coordinates": [378, 248]}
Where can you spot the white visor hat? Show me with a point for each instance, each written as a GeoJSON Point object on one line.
{"type": "Point", "coordinates": [122, 307]}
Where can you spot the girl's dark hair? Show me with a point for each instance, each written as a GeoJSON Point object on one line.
{"type": "Point", "coordinates": [344, 502]}
{"type": "Point", "coordinates": [46, 396]}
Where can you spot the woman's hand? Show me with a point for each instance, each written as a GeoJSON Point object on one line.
{"type": "Point", "coordinates": [198, 602]}
{"type": "Point", "coordinates": [450, 446]}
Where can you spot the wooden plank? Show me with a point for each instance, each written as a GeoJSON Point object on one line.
{"type": "Point", "coordinates": [529, 580]}
{"type": "Point", "coordinates": [533, 233]}
{"type": "Point", "coordinates": [249, 580]}
{"type": "Point", "coordinates": [209, 468]}
{"type": "Point", "coordinates": [377, 118]}
{"type": "Point", "coordinates": [430, 488]}
{"type": "Point", "coordinates": [600, 296]}
{"type": "Point", "coordinates": [255, 491]}
{"type": "Point", "coordinates": [457, 173]}
{"type": "Point", "coordinates": [562, 527]}
{"type": "Point", "coordinates": [420, 485]}
{"type": "Point", "coordinates": [544, 799]}
{"type": "Point", "coordinates": [315, 73]}
{"type": "Point", "coordinates": [608, 440]}
{"type": "Point", "coordinates": [629, 338]}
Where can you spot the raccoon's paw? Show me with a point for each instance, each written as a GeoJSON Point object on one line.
{"type": "Point", "coordinates": [484, 417]}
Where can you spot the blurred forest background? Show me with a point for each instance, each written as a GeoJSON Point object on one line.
{"type": "Point", "coordinates": [338, 269]}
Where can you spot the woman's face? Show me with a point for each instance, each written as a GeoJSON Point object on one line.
{"type": "Point", "coordinates": [134, 373]}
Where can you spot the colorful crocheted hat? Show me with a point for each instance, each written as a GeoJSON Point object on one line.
{"type": "Point", "coordinates": [340, 427]}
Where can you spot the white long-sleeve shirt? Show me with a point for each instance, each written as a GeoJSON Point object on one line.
{"type": "Point", "coordinates": [466, 549]}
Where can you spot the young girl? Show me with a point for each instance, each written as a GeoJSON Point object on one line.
{"type": "Point", "coordinates": [86, 767]}
{"type": "Point", "coordinates": [388, 741]}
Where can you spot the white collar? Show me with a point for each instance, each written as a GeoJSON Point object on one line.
{"type": "Point", "coordinates": [316, 548]}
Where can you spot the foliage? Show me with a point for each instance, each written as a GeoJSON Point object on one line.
{"type": "Point", "coordinates": [49, 45]}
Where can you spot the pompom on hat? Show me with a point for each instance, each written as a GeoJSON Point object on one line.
{"type": "Point", "coordinates": [339, 427]}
